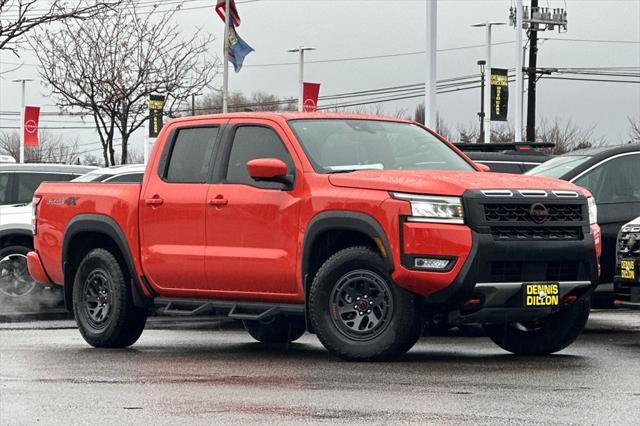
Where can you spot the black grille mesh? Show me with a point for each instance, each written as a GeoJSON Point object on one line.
{"type": "Point", "coordinates": [520, 213]}
{"type": "Point", "coordinates": [524, 233]}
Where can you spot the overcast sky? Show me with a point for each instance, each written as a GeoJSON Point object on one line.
{"type": "Point", "coordinates": [357, 28]}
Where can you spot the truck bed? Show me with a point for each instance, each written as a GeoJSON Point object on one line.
{"type": "Point", "coordinates": [62, 202]}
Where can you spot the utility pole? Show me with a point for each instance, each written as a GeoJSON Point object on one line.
{"type": "Point", "coordinates": [301, 51]}
{"type": "Point", "coordinates": [430, 106]}
{"type": "Point", "coordinates": [23, 82]}
{"type": "Point", "coordinates": [519, 77]}
{"type": "Point", "coordinates": [482, 64]}
{"type": "Point", "coordinates": [487, 80]}
{"type": "Point", "coordinates": [531, 85]}
{"type": "Point", "coordinates": [193, 104]}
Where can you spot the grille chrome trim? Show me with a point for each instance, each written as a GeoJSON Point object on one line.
{"type": "Point", "coordinates": [566, 194]}
{"type": "Point", "coordinates": [533, 193]}
{"type": "Point", "coordinates": [497, 193]}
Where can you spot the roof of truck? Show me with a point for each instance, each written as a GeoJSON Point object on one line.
{"type": "Point", "coordinates": [286, 115]}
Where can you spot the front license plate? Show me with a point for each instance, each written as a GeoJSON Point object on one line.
{"type": "Point", "coordinates": [628, 270]}
{"type": "Point", "coordinates": [540, 295]}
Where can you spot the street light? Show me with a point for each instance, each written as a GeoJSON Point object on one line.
{"type": "Point", "coordinates": [482, 64]}
{"type": "Point", "coordinates": [301, 50]}
{"type": "Point", "coordinates": [487, 80]}
{"type": "Point", "coordinates": [23, 81]}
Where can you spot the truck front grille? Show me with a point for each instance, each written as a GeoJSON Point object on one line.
{"type": "Point", "coordinates": [541, 233]}
{"type": "Point", "coordinates": [520, 213]}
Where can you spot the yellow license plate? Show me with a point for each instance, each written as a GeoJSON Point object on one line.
{"type": "Point", "coordinates": [628, 269]}
{"type": "Point", "coordinates": [537, 295]}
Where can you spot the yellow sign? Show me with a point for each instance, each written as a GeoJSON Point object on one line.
{"type": "Point", "coordinates": [541, 295]}
{"type": "Point", "coordinates": [628, 269]}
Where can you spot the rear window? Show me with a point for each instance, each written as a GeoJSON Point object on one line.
{"type": "Point", "coordinates": [27, 183]}
{"type": "Point", "coordinates": [191, 155]}
{"type": "Point", "coordinates": [4, 188]}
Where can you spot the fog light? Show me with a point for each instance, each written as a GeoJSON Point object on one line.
{"type": "Point", "coordinates": [430, 263]}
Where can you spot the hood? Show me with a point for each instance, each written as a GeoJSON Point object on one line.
{"type": "Point", "coordinates": [635, 221]}
{"type": "Point", "coordinates": [443, 182]}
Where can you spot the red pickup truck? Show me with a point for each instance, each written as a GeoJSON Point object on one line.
{"type": "Point", "coordinates": [355, 228]}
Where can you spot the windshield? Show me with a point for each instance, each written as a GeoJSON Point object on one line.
{"type": "Point", "coordinates": [94, 176]}
{"type": "Point", "coordinates": [559, 166]}
{"type": "Point", "coordinates": [336, 145]}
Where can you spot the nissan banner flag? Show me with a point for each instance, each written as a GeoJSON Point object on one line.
{"type": "Point", "coordinates": [499, 94]}
{"type": "Point", "coordinates": [30, 125]}
{"type": "Point", "coordinates": [310, 93]}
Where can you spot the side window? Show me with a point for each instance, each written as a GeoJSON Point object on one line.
{"type": "Point", "coordinates": [5, 189]}
{"type": "Point", "coordinates": [250, 143]}
{"type": "Point", "coordinates": [616, 181]}
{"type": "Point", "coordinates": [191, 155]}
{"type": "Point", "coordinates": [27, 183]}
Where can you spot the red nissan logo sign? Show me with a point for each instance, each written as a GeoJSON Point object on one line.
{"type": "Point", "coordinates": [539, 213]}
{"type": "Point", "coordinates": [31, 126]}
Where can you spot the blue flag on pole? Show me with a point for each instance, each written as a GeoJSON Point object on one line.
{"type": "Point", "coordinates": [238, 49]}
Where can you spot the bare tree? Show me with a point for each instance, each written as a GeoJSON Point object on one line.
{"type": "Point", "coordinates": [109, 65]}
{"type": "Point", "coordinates": [52, 149]}
{"type": "Point", "coordinates": [567, 136]}
{"type": "Point", "coordinates": [238, 101]}
{"type": "Point", "coordinates": [19, 17]}
{"type": "Point", "coordinates": [634, 129]}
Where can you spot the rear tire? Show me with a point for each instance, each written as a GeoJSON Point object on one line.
{"type": "Point", "coordinates": [103, 305]}
{"type": "Point", "coordinates": [15, 280]}
{"type": "Point", "coordinates": [546, 336]}
{"type": "Point", "coordinates": [357, 311]}
{"type": "Point", "coordinates": [276, 330]}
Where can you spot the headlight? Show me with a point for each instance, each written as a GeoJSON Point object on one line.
{"type": "Point", "coordinates": [593, 211]}
{"type": "Point", "coordinates": [427, 208]}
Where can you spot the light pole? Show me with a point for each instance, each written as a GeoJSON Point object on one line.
{"type": "Point", "coordinates": [301, 50]}
{"type": "Point", "coordinates": [23, 81]}
{"type": "Point", "coordinates": [487, 80]}
{"type": "Point", "coordinates": [482, 64]}
{"type": "Point", "coordinates": [519, 78]}
{"type": "Point", "coordinates": [430, 105]}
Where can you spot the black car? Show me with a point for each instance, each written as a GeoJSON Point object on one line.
{"type": "Point", "coordinates": [515, 158]}
{"type": "Point", "coordinates": [627, 279]}
{"type": "Point", "coordinates": [612, 174]}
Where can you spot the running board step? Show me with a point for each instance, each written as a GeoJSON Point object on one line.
{"type": "Point", "coordinates": [236, 310]}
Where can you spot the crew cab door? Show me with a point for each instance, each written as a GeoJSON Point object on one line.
{"type": "Point", "coordinates": [173, 210]}
{"type": "Point", "coordinates": [252, 227]}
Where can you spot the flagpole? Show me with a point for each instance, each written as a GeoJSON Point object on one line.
{"type": "Point", "coordinates": [225, 70]}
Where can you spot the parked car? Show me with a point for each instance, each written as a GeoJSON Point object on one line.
{"type": "Point", "coordinates": [7, 159]}
{"type": "Point", "coordinates": [15, 221]}
{"type": "Point", "coordinates": [129, 173]}
{"type": "Point", "coordinates": [627, 279]}
{"type": "Point", "coordinates": [17, 184]}
{"type": "Point", "coordinates": [612, 174]}
{"type": "Point", "coordinates": [352, 225]}
{"type": "Point", "coordinates": [517, 157]}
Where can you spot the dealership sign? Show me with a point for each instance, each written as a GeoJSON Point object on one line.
{"type": "Point", "coordinates": [499, 94]}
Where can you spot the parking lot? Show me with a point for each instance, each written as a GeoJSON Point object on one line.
{"type": "Point", "coordinates": [203, 372]}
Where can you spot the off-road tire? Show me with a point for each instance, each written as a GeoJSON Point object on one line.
{"type": "Point", "coordinates": [124, 321]}
{"type": "Point", "coordinates": [549, 335]}
{"type": "Point", "coordinates": [404, 323]}
{"type": "Point", "coordinates": [276, 330]}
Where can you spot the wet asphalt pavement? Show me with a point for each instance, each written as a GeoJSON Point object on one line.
{"type": "Point", "coordinates": [196, 373]}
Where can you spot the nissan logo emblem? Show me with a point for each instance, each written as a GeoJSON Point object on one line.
{"type": "Point", "coordinates": [539, 213]}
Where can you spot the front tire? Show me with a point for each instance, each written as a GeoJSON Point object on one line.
{"type": "Point", "coordinates": [276, 330]}
{"type": "Point", "coordinates": [357, 311]}
{"type": "Point", "coordinates": [103, 305]}
{"type": "Point", "coordinates": [542, 337]}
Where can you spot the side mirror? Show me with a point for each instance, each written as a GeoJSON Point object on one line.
{"type": "Point", "coordinates": [268, 170]}
{"type": "Point", "coordinates": [483, 167]}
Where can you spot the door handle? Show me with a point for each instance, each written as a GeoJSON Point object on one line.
{"type": "Point", "coordinates": [154, 202]}
{"type": "Point", "coordinates": [218, 201]}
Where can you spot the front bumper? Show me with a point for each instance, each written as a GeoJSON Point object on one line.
{"type": "Point", "coordinates": [627, 293]}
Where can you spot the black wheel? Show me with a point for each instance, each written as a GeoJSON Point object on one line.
{"type": "Point", "coordinates": [15, 280]}
{"type": "Point", "coordinates": [357, 311]}
{"type": "Point", "coordinates": [545, 336]}
{"type": "Point", "coordinates": [102, 303]}
{"type": "Point", "coordinates": [277, 329]}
